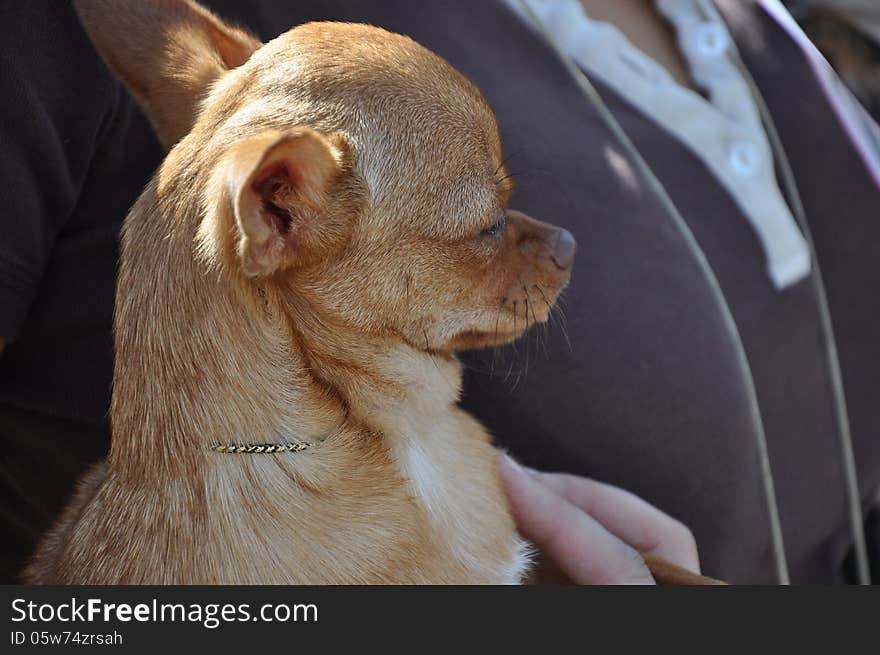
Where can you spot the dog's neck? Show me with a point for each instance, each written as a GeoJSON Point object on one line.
{"type": "Point", "coordinates": [382, 382]}
{"type": "Point", "coordinates": [205, 357]}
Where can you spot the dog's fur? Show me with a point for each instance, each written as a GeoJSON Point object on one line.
{"type": "Point", "coordinates": [326, 230]}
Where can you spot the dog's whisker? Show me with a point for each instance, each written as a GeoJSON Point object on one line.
{"type": "Point", "coordinates": [530, 303]}
{"type": "Point", "coordinates": [563, 325]}
{"type": "Point", "coordinates": [511, 349]}
{"type": "Point", "coordinates": [505, 160]}
{"type": "Point", "coordinates": [509, 176]}
{"type": "Point", "coordinates": [557, 311]}
{"type": "Point", "coordinates": [544, 296]}
{"type": "Point", "coordinates": [542, 338]}
{"type": "Point", "coordinates": [526, 308]}
{"type": "Point", "coordinates": [554, 312]}
{"type": "Point", "coordinates": [515, 350]}
{"type": "Point", "coordinates": [519, 374]}
{"type": "Point", "coordinates": [509, 372]}
{"type": "Point", "coordinates": [495, 341]}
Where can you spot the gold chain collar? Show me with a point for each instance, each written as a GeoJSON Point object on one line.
{"type": "Point", "coordinates": [261, 448]}
{"type": "Point", "coordinates": [294, 445]}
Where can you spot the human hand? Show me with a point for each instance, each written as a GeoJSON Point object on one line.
{"type": "Point", "coordinates": [592, 531]}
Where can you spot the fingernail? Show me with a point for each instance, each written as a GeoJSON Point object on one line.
{"type": "Point", "coordinates": [521, 468]}
{"type": "Point", "coordinates": [511, 463]}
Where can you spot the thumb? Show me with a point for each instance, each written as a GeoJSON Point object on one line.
{"type": "Point", "coordinates": [582, 548]}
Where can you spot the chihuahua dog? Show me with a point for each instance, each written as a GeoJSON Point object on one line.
{"type": "Point", "coordinates": [328, 228]}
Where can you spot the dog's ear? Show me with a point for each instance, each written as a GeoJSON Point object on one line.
{"type": "Point", "coordinates": [279, 184]}
{"type": "Point", "coordinates": [167, 52]}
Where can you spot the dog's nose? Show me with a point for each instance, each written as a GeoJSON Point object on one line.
{"type": "Point", "coordinates": [563, 253]}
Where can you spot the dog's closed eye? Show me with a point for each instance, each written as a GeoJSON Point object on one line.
{"type": "Point", "coordinates": [496, 229]}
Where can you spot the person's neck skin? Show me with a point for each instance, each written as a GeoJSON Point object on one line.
{"type": "Point", "coordinates": [647, 29]}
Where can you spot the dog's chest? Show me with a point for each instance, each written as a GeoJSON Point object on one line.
{"type": "Point", "coordinates": [451, 473]}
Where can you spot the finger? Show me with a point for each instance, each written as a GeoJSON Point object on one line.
{"type": "Point", "coordinates": [580, 546]}
{"type": "Point", "coordinates": [638, 523]}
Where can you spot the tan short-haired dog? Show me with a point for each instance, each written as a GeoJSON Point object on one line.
{"type": "Point", "coordinates": [328, 228]}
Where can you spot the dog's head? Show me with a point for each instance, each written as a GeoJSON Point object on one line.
{"type": "Point", "coordinates": [349, 166]}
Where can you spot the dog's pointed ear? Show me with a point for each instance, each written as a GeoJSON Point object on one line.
{"type": "Point", "coordinates": [280, 186]}
{"type": "Point", "coordinates": [167, 52]}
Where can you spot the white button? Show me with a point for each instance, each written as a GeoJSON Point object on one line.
{"type": "Point", "coordinates": [711, 40]}
{"type": "Point", "coordinates": [744, 158]}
